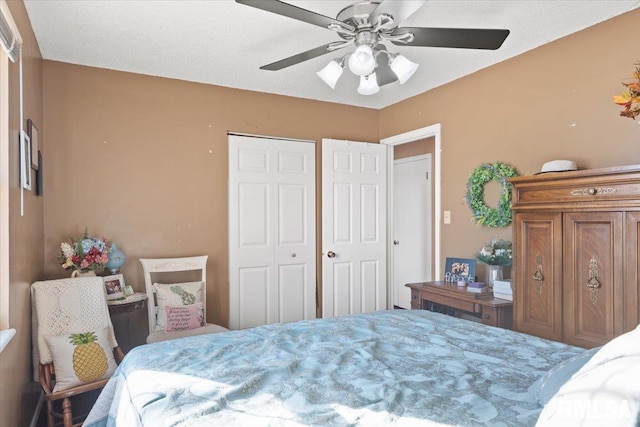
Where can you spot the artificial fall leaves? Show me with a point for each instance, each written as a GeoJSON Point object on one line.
{"type": "Point", "coordinates": [630, 100]}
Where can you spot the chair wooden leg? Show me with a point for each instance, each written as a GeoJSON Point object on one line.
{"type": "Point", "coordinates": [66, 413]}
{"type": "Point", "coordinates": [50, 420]}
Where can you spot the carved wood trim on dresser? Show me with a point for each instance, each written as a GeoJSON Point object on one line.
{"type": "Point", "coordinates": [576, 258]}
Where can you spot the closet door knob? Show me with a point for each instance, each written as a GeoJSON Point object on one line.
{"type": "Point", "coordinates": [331, 254]}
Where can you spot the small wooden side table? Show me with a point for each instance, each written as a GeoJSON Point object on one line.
{"type": "Point", "coordinates": [491, 311]}
{"type": "Point", "coordinates": [129, 320]}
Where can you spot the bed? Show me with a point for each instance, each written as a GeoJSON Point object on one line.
{"type": "Point", "coordinates": [396, 367]}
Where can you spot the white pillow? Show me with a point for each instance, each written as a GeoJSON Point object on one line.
{"type": "Point", "coordinates": [605, 391]}
{"type": "Point", "coordinates": [81, 358]}
{"type": "Point", "coordinates": [175, 294]}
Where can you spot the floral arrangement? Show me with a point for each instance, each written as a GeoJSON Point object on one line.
{"type": "Point", "coordinates": [630, 99]}
{"type": "Point", "coordinates": [496, 252]}
{"type": "Point", "coordinates": [86, 254]}
{"type": "Point", "coordinates": [499, 216]}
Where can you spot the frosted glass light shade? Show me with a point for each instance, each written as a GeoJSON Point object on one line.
{"type": "Point", "coordinates": [403, 68]}
{"type": "Point", "coordinates": [331, 73]}
{"type": "Point", "coordinates": [368, 85]}
{"type": "Point", "coordinates": [362, 62]}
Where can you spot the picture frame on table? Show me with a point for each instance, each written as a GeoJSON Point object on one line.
{"type": "Point", "coordinates": [32, 131]}
{"type": "Point", "coordinates": [114, 286]}
{"type": "Point", "coordinates": [457, 269]}
{"type": "Point", "coordinates": [25, 161]}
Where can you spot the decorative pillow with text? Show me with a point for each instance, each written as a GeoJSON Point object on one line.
{"type": "Point", "coordinates": [175, 295]}
{"type": "Point", "coordinates": [184, 317]}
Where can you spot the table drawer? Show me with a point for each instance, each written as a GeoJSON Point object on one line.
{"type": "Point", "coordinates": [452, 302]}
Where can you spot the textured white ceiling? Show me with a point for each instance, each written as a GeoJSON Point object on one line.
{"type": "Point", "coordinates": [224, 43]}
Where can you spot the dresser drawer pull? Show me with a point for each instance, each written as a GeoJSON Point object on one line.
{"type": "Point", "coordinates": [593, 284]}
{"type": "Point", "coordinates": [593, 191]}
{"type": "Point", "coordinates": [538, 276]}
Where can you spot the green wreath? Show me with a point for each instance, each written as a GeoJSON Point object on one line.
{"type": "Point", "coordinates": [499, 216]}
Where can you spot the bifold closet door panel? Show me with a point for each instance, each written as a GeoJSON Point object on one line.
{"type": "Point", "coordinates": [272, 261]}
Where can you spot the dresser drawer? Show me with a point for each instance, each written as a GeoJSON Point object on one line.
{"type": "Point", "coordinates": [452, 302]}
{"type": "Point", "coordinates": [587, 187]}
{"type": "Point", "coordinates": [578, 193]}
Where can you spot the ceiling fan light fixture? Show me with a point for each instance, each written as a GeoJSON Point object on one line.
{"type": "Point", "coordinates": [403, 68]}
{"type": "Point", "coordinates": [331, 73]}
{"type": "Point", "coordinates": [362, 62]}
{"type": "Point", "coordinates": [368, 85]}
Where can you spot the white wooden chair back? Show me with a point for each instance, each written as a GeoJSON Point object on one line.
{"type": "Point", "coordinates": [171, 265]}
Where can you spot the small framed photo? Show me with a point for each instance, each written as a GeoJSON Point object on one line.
{"type": "Point", "coordinates": [460, 269]}
{"type": "Point", "coordinates": [114, 286]}
{"type": "Point", "coordinates": [32, 131]}
{"type": "Point", "coordinates": [25, 160]}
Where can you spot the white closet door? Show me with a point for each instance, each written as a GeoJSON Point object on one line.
{"type": "Point", "coordinates": [354, 220]}
{"type": "Point", "coordinates": [271, 231]}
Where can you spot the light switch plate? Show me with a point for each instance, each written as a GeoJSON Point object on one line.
{"type": "Point", "coordinates": [447, 217]}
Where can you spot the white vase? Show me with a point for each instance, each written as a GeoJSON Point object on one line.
{"type": "Point", "coordinates": [79, 273]}
{"type": "Point", "coordinates": [494, 272]}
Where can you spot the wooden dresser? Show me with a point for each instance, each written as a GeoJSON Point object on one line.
{"type": "Point", "coordinates": [576, 258]}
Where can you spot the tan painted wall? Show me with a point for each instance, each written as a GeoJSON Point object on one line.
{"type": "Point", "coordinates": [26, 235]}
{"type": "Point", "coordinates": [554, 102]}
{"type": "Point", "coordinates": [143, 161]}
{"type": "Point", "coordinates": [414, 148]}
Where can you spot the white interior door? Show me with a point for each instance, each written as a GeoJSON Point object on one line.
{"type": "Point", "coordinates": [411, 225]}
{"type": "Point", "coordinates": [354, 261]}
{"type": "Point", "coordinates": [272, 266]}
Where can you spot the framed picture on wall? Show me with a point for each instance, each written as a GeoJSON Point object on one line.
{"type": "Point", "coordinates": [25, 160]}
{"type": "Point", "coordinates": [114, 286]}
{"type": "Point", "coordinates": [39, 176]}
{"type": "Point", "coordinates": [32, 131]}
{"type": "Point", "coordinates": [457, 269]}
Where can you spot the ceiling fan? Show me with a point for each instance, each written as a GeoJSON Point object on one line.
{"type": "Point", "coordinates": [366, 25]}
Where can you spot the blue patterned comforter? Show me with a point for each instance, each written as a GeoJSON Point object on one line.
{"type": "Point", "coordinates": [400, 367]}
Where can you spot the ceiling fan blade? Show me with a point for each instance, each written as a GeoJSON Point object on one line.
{"type": "Point", "coordinates": [463, 38]}
{"type": "Point", "coordinates": [384, 74]}
{"type": "Point", "coordinates": [295, 12]}
{"type": "Point", "coordinates": [301, 57]}
{"type": "Point", "coordinates": [399, 9]}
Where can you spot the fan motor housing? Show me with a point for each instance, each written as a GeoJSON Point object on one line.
{"type": "Point", "coordinates": [358, 14]}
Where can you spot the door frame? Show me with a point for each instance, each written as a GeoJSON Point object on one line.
{"type": "Point", "coordinates": [434, 131]}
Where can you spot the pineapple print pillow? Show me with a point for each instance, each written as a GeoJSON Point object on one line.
{"type": "Point", "coordinates": [81, 358]}
{"type": "Point", "coordinates": [175, 295]}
